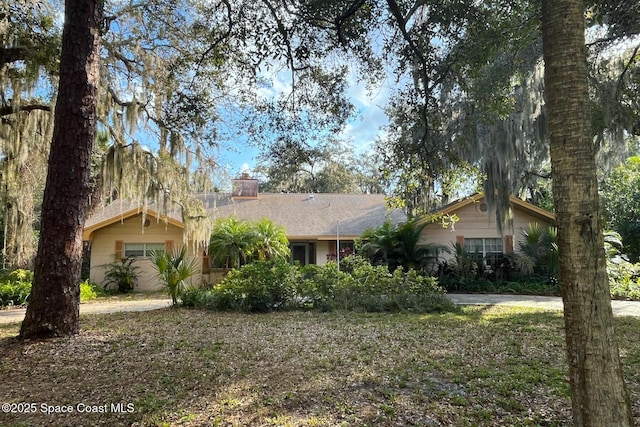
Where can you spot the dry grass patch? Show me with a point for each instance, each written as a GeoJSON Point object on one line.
{"type": "Point", "coordinates": [497, 366]}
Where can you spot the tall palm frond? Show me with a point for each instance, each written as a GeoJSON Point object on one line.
{"type": "Point", "coordinates": [231, 242]}
{"type": "Point", "coordinates": [174, 268]}
{"type": "Point", "coordinates": [270, 241]}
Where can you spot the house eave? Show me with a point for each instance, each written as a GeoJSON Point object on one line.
{"type": "Point", "coordinates": [87, 233]}
{"type": "Point", "coordinates": [529, 208]}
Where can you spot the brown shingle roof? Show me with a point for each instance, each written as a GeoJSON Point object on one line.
{"type": "Point", "coordinates": [303, 216]}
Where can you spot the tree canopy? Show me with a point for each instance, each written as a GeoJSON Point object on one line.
{"type": "Point", "coordinates": [179, 80]}
{"type": "Point", "coordinates": [469, 94]}
{"type": "Point", "coordinates": [331, 166]}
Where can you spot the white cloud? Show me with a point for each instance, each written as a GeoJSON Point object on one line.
{"type": "Point", "coordinates": [363, 130]}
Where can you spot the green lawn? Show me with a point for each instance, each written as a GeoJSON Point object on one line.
{"type": "Point", "coordinates": [497, 366]}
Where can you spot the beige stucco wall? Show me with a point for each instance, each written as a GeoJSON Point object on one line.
{"type": "Point", "coordinates": [131, 231]}
{"type": "Point", "coordinates": [475, 223]}
{"type": "Point", "coordinates": [322, 249]}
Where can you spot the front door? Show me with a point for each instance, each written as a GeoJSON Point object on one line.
{"type": "Point", "coordinates": [303, 253]}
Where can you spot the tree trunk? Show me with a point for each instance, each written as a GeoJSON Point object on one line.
{"type": "Point", "coordinates": [598, 393]}
{"type": "Point", "coordinates": [53, 308]}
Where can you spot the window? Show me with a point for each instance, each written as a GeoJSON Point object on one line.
{"type": "Point", "coordinates": [141, 249]}
{"type": "Point", "coordinates": [487, 249]}
{"type": "Point", "coordinates": [303, 253]}
{"type": "Point", "coordinates": [346, 249]}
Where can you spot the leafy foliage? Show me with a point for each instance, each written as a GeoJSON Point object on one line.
{"type": "Point", "coordinates": [461, 269]}
{"type": "Point", "coordinates": [277, 285]}
{"type": "Point", "coordinates": [230, 243]}
{"type": "Point", "coordinates": [270, 241]}
{"type": "Point", "coordinates": [374, 289]}
{"type": "Point", "coordinates": [328, 167]}
{"type": "Point", "coordinates": [398, 246]}
{"type": "Point", "coordinates": [174, 269]}
{"type": "Point", "coordinates": [233, 242]}
{"type": "Point", "coordinates": [620, 200]}
{"type": "Point", "coordinates": [540, 250]}
{"type": "Point", "coordinates": [89, 291]}
{"type": "Point", "coordinates": [256, 287]}
{"type": "Point", "coordinates": [123, 275]}
{"type": "Point", "coordinates": [624, 276]}
{"type": "Point", "coordinates": [15, 287]}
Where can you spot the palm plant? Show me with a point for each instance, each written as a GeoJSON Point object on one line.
{"type": "Point", "coordinates": [231, 242]}
{"type": "Point", "coordinates": [270, 241]}
{"type": "Point", "coordinates": [464, 266]}
{"type": "Point", "coordinates": [540, 249]}
{"type": "Point", "coordinates": [377, 244]}
{"type": "Point", "coordinates": [409, 253]}
{"type": "Point", "coordinates": [174, 268]}
{"type": "Point", "coordinates": [396, 246]}
{"type": "Point", "coordinates": [122, 274]}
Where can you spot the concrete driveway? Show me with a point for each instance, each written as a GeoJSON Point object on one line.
{"type": "Point", "coordinates": [620, 308]}
{"type": "Point", "coordinates": [17, 314]}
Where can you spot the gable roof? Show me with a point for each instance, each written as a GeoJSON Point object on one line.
{"type": "Point", "coordinates": [121, 210]}
{"type": "Point", "coordinates": [304, 216]}
{"type": "Point", "coordinates": [517, 203]}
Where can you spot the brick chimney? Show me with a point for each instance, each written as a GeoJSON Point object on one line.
{"type": "Point", "coordinates": [244, 187]}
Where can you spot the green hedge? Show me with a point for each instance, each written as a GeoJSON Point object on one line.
{"type": "Point", "coordinates": [15, 288]}
{"type": "Point", "coordinates": [277, 285]}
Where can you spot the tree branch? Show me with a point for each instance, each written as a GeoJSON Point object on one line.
{"type": "Point", "coordinates": [7, 110]}
{"type": "Point", "coordinates": [351, 10]}
{"type": "Point", "coordinates": [12, 54]}
{"type": "Point", "coordinates": [219, 39]}
{"type": "Point", "coordinates": [631, 61]}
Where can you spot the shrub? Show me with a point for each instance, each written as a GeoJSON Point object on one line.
{"type": "Point", "coordinates": [257, 287]}
{"type": "Point", "coordinates": [18, 275]}
{"type": "Point", "coordinates": [89, 291]}
{"type": "Point", "coordinates": [624, 279]}
{"type": "Point", "coordinates": [174, 268]}
{"type": "Point", "coordinates": [14, 292]}
{"type": "Point", "coordinates": [193, 297]}
{"type": "Point", "coordinates": [123, 275]}
{"type": "Point", "coordinates": [278, 285]}
{"type": "Point", "coordinates": [624, 276]}
{"type": "Point", "coordinates": [627, 288]}
{"type": "Point", "coordinates": [374, 289]}
{"type": "Point", "coordinates": [15, 288]}
{"type": "Point", "coordinates": [319, 285]}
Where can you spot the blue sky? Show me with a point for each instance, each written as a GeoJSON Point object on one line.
{"type": "Point", "coordinates": [361, 131]}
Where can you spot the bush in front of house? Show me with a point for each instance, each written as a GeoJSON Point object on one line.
{"type": "Point", "coordinates": [374, 289]}
{"type": "Point", "coordinates": [121, 275]}
{"type": "Point", "coordinates": [261, 286]}
{"type": "Point", "coordinates": [174, 268]}
{"type": "Point", "coordinates": [624, 276]}
{"type": "Point", "coordinates": [15, 288]}
{"type": "Point", "coordinates": [90, 291]}
{"type": "Point", "coordinates": [277, 285]}
{"type": "Point", "coordinates": [321, 287]}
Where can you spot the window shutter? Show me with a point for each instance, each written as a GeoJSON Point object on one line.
{"type": "Point", "coordinates": [332, 253]}
{"type": "Point", "coordinates": [168, 246]}
{"type": "Point", "coordinates": [460, 241]}
{"type": "Point", "coordinates": [206, 268]}
{"type": "Point", "coordinates": [119, 252]}
{"type": "Point", "coordinates": [508, 244]}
